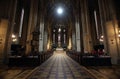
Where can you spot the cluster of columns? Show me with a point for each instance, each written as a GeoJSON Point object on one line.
{"type": "Point", "coordinates": [6, 27]}
{"type": "Point", "coordinates": [109, 23]}
{"type": "Point", "coordinates": [59, 37]}
{"type": "Point", "coordinates": [82, 36]}
{"type": "Point", "coordinates": [108, 27]}
{"type": "Point", "coordinates": [36, 22]}
{"type": "Point", "coordinates": [32, 17]}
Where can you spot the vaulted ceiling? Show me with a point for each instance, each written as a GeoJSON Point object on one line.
{"type": "Point", "coordinates": [50, 6]}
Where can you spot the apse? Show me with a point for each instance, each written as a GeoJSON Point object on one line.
{"type": "Point", "coordinates": [59, 17]}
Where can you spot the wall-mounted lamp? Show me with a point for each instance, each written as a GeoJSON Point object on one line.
{"type": "Point", "coordinates": [119, 31]}
{"type": "Point", "coordinates": [13, 36]}
{"type": "Point", "coordinates": [101, 38]}
{"type": "Point", "coordinates": [119, 35]}
{"type": "Point", "coordinates": [14, 39]}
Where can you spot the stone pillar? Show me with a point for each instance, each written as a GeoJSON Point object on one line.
{"type": "Point", "coordinates": [85, 26]}
{"type": "Point", "coordinates": [21, 23]}
{"type": "Point", "coordinates": [77, 28]}
{"type": "Point", "coordinates": [22, 39]}
{"type": "Point", "coordinates": [110, 29]}
{"type": "Point", "coordinates": [45, 41]}
{"type": "Point", "coordinates": [102, 13]}
{"type": "Point", "coordinates": [41, 37]}
{"type": "Point", "coordinates": [112, 43]}
{"type": "Point", "coordinates": [64, 38]}
{"type": "Point", "coordinates": [31, 24]}
{"type": "Point", "coordinates": [3, 34]}
{"type": "Point", "coordinates": [9, 29]}
{"type": "Point", "coordinates": [53, 38]}
{"type": "Point", "coordinates": [116, 29]}
{"type": "Point", "coordinates": [116, 53]}
{"type": "Point", "coordinates": [73, 41]}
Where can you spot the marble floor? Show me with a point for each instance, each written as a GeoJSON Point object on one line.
{"type": "Point", "coordinates": [14, 72]}
{"type": "Point", "coordinates": [60, 66]}
{"type": "Point", "coordinates": [106, 72]}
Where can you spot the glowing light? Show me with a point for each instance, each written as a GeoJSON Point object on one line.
{"type": "Point", "coordinates": [101, 40]}
{"type": "Point", "coordinates": [13, 36]}
{"type": "Point", "coordinates": [119, 35]}
{"type": "Point", "coordinates": [14, 40]}
{"type": "Point", "coordinates": [70, 44]}
{"type": "Point", "coordinates": [119, 31]}
{"type": "Point", "coordinates": [102, 36]}
{"type": "Point", "coordinates": [48, 45]}
{"type": "Point", "coordinates": [60, 11]}
{"type": "Point", "coordinates": [59, 30]}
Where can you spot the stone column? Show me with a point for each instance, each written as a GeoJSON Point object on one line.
{"type": "Point", "coordinates": [102, 13]}
{"type": "Point", "coordinates": [8, 40]}
{"type": "Point", "coordinates": [41, 37]}
{"type": "Point", "coordinates": [73, 41]}
{"type": "Point", "coordinates": [53, 38]}
{"type": "Point", "coordinates": [3, 34]}
{"type": "Point", "coordinates": [31, 24]}
{"type": "Point", "coordinates": [85, 26]}
{"type": "Point", "coordinates": [64, 38]}
{"type": "Point", "coordinates": [22, 39]}
{"type": "Point", "coordinates": [77, 28]}
{"type": "Point", "coordinates": [110, 26]}
{"type": "Point", "coordinates": [114, 51]}
{"type": "Point", "coordinates": [45, 41]}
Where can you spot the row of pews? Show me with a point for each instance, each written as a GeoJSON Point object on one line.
{"type": "Point", "coordinates": [31, 60]}
{"type": "Point", "coordinates": [90, 60]}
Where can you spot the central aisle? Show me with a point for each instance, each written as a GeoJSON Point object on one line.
{"type": "Point", "coordinates": [60, 66]}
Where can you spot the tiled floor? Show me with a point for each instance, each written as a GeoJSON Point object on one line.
{"type": "Point", "coordinates": [105, 72]}
{"type": "Point", "coordinates": [14, 72]}
{"type": "Point", "coordinates": [60, 66]}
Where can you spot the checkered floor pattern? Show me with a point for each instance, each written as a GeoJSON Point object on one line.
{"type": "Point", "coordinates": [60, 66]}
